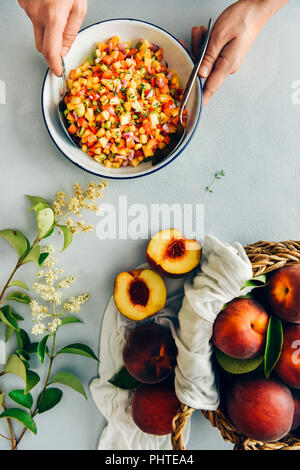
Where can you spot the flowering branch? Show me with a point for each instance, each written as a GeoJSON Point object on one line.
{"type": "Point", "coordinates": [46, 320]}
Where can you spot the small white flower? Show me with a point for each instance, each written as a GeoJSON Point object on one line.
{"type": "Point", "coordinates": [38, 329]}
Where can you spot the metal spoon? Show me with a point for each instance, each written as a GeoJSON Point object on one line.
{"type": "Point", "coordinates": [62, 106]}
{"type": "Point", "coordinates": [178, 137]}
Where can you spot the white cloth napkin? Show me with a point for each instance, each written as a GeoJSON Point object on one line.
{"type": "Point", "coordinates": [224, 269]}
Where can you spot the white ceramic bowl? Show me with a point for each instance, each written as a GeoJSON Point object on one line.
{"type": "Point", "coordinates": [128, 30]}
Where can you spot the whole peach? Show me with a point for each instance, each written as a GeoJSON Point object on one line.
{"type": "Point", "coordinates": [284, 293]}
{"type": "Point", "coordinates": [150, 353]}
{"type": "Point", "coordinates": [262, 409]}
{"type": "Point", "coordinates": [288, 365]}
{"type": "Point", "coordinates": [296, 420]}
{"type": "Point", "coordinates": [153, 407]}
{"type": "Point", "coordinates": [240, 329]}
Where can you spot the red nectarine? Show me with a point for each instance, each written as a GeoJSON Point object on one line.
{"type": "Point", "coordinates": [153, 407]}
{"type": "Point", "coordinates": [288, 365]}
{"type": "Point", "coordinates": [296, 420]}
{"type": "Point", "coordinates": [240, 329]}
{"type": "Point", "coordinates": [150, 353]}
{"type": "Point", "coordinates": [284, 293]}
{"type": "Point", "coordinates": [262, 409]}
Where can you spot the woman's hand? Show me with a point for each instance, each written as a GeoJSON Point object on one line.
{"type": "Point", "coordinates": [56, 24]}
{"type": "Point", "coordinates": [231, 37]}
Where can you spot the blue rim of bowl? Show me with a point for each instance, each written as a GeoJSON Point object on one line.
{"type": "Point", "coordinates": [153, 168]}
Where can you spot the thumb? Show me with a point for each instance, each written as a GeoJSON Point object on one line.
{"type": "Point", "coordinates": [212, 53]}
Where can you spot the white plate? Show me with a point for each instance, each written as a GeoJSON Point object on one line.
{"type": "Point", "coordinates": [175, 55]}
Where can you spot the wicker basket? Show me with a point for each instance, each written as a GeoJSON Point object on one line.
{"type": "Point", "coordinates": [265, 257]}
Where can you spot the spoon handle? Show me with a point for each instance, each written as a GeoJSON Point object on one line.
{"type": "Point", "coordinates": [195, 70]}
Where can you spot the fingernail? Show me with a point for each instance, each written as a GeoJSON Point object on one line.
{"type": "Point", "coordinates": [203, 71]}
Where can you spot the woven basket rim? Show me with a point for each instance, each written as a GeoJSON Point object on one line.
{"type": "Point", "coordinates": [265, 257]}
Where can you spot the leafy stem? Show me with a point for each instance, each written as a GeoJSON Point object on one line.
{"type": "Point", "coordinates": [46, 383]}
{"type": "Point", "coordinates": [217, 176]}
{"type": "Point", "coordinates": [18, 265]}
{"type": "Point", "coordinates": [12, 438]}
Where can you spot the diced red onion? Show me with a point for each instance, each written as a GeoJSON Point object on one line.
{"type": "Point", "coordinates": [151, 93]}
{"type": "Point", "coordinates": [160, 83]}
{"type": "Point", "coordinates": [124, 83]}
{"type": "Point", "coordinates": [166, 128]}
{"type": "Point", "coordinates": [154, 47]}
{"type": "Point", "coordinates": [131, 155]}
{"type": "Point", "coordinates": [121, 156]}
{"type": "Point", "coordinates": [127, 135]}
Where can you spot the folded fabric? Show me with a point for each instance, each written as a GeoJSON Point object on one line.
{"type": "Point", "coordinates": [223, 270]}
{"type": "Point", "coordinates": [121, 433]}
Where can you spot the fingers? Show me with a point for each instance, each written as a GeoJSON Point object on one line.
{"type": "Point", "coordinates": [197, 36]}
{"type": "Point", "coordinates": [225, 64]}
{"type": "Point", "coordinates": [38, 37]}
{"type": "Point", "coordinates": [213, 50]}
{"type": "Point", "coordinates": [74, 22]}
{"type": "Point", "coordinates": [184, 44]}
{"type": "Point", "coordinates": [52, 46]}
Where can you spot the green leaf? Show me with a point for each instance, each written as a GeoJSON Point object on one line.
{"type": "Point", "coordinates": [19, 284]}
{"type": "Point", "coordinates": [23, 354]}
{"type": "Point", "coordinates": [124, 380]}
{"type": "Point", "coordinates": [35, 200]}
{"type": "Point", "coordinates": [69, 379]}
{"type": "Point", "coordinates": [32, 348]}
{"type": "Point", "coordinates": [258, 281]}
{"type": "Point", "coordinates": [32, 379]}
{"type": "Point", "coordinates": [7, 317]}
{"type": "Point", "coordinates": [19, 297]}
{"type": "Point", "coordinates": [237, 366]}
{"type": "Point", "coordinates": [50, 398]}
{"type": "Point", "coordinates": [49, 233]}
{"type": "Point", "coordinates": [19, 397]}
{"type": "Point", "coordinates": [41, 349]}
{"type": "Point", "coordinates": [15, 366]}
{"type": "Point", "coordinates": [9, 331]}
{"type": "Point", "coordinates": [17, 240]}
{"type": "Point", "coordinates": [16, 315]}
{"type": "Point", "coordinates": [22, 416]}
{"type": "Point", "coordinates": [23, 340]}
{"type": "Point", "coordinates": [274, 343]}
{"type": "Point", "coordinates": [32, 256]}
{"type": "Point", "coordinates": [67, 236]}
{"type": "Point", "coordinates": [67, 320]}
{"type": "Point", "coordinates": [42, 258]}
{"type": "Point", "coordinates": [80, 349]}
{"type": "Point", "coordinates": [45, 221]}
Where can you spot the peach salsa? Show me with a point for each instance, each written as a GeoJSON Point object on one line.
{"type": "Point", "coordinates": [123, 104]}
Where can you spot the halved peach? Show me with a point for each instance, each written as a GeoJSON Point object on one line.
{"type": "Point", "coordinates": [173, 255]}
{"type": "Point", "coordinates": [139, 294]}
